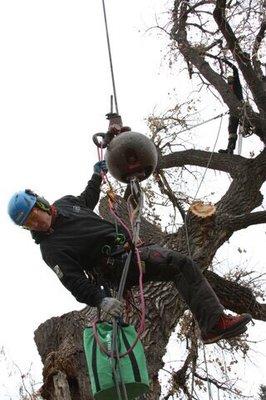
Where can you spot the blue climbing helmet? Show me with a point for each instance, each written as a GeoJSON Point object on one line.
{"type": "Point", "coordinates": [21, 204]}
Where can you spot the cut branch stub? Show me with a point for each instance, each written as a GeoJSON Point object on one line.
{"type": "Point", "coordinates": [202, 210]}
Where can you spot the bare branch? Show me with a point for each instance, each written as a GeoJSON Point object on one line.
{"type": "Point", "coordinates": [242, 58]}
{"type": "Point", "coordinates": [166, 189]}
{"type": "Point", "coordinates": [238, 222]}
{"type": "Point", "coordinates": [222, 162]}
{"type": "Point", "coordinates": [257, 43]}
{"type": "Point", "coordinates": [194, 56]}
{"type": "Point", "coordinates": [235, 297]}
{"type": "Point", "coordinates": [225, 386]}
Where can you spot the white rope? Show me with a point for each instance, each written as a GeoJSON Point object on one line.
{"type": "Point", "coordinates": [204, 122]}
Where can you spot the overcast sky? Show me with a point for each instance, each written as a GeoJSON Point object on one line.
{"type": "Point", "coordinates": [55, 88]}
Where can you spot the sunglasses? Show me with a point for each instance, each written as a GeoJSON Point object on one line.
{"type": "Point", "coordinates": [32, 220]}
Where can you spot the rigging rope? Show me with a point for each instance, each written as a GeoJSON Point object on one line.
{"type": "Point", "coordinates": [202, 179]}
{"type": "Point", "coordinates": [189, 249]}
{"type": "Point", "coordinates": [204, 122]}
{"type": "Point", "coordinates": [110, 56]}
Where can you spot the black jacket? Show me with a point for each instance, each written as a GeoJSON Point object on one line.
{"type": "Point", "coordinates": [75, 244]}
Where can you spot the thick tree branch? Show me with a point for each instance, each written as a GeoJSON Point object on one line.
{"type": "Point", "coordinates": [257, 43]}
{"type": "Point", "coordinates": [235, 297]}
{"type": "Point", "coordinates": [242, 58]}
{"type": "Point", "coordinates": [238, 222]}
{"type": "Point", "coordinates": [221, 162]}
{"type": "Point", "coordinates": [194, 56]}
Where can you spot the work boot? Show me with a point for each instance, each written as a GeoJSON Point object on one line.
{"type": "Point", "coordinates": [227, 327]}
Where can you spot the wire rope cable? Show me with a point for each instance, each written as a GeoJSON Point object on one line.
{"type": "Point", "coordinates": [110, 56]}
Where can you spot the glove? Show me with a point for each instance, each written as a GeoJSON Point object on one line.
{"type": "Point", "coordinates": [112, 306]}
{"type": "Point", "coordinates": [99, 167]}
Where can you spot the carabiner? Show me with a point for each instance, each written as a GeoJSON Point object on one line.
{"type": "Point", "coordinates": [101, 144]}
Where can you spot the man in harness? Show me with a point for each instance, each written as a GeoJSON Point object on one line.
{"type": "Point", "coordinates": [71, 238]}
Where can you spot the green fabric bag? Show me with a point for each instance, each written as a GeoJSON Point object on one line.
{"type": "Point", "coordinates": [132, 365]}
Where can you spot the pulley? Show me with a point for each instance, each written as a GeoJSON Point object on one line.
{"type": "Point", "coordinates": [131, 154]}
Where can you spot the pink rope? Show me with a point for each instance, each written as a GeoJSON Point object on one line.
{"type": "Point", "coordinates": [121, 222]}
{"type": "Point", "coordinates": [141, 295]}
{"type": "Point", "coordinates": [141, 327]}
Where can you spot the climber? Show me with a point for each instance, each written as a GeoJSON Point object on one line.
{"type": "Point", "coordinates": [72, 238]}
{"type": "Point", "coordinates": [234, 86]}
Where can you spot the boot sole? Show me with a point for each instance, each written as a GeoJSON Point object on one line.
{"type": "Point", "coordinates": [238, 330]}
{"type": "Point", "coordinates": [232, 334]}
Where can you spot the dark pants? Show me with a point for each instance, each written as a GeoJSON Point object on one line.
{"type": "Point", "coordinates": [164, 265]}
{"type": "Point", "coordinates": [233, 124]}
{"type": "Point", "coordinates": [232, 132]}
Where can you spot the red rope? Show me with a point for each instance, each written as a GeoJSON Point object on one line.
{"type": "Point", "coordinates": [142, 299]}
{"type": "Point", "coordinates": [141, 327]}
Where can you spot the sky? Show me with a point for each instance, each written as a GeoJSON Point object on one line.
{"type": "Point", "coordinates": [55, 91]}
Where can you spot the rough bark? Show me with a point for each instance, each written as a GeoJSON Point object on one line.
{"type": "Point", "coordinates": [60, 382]}
{"type": "Point", "coordinates": [59, 342]}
